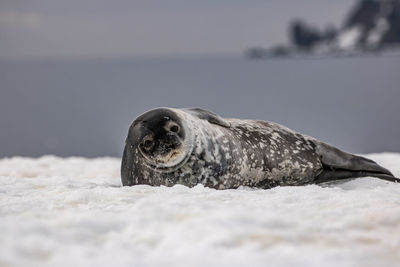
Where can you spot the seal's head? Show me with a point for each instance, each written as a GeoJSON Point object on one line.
{"type": "Point", "coordinates": [160, 137]}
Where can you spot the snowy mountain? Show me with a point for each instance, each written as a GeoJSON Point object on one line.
{"type": "Point", "coordinates": [371, 25]}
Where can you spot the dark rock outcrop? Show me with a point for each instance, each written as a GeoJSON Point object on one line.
{"type": "Point", "coordinates": [378, 22]}
{"type": "Point", "coordinates": [392, 36]}
{"type": "Point", "coordinates": [371, 25]}
{"type": "Point", "coordinates": [304, 36]}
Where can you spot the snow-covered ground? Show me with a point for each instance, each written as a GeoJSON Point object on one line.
{"type": "Point", "coordinates": [74, 212]}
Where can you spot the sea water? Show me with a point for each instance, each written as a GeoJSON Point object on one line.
{"type": "Point", "coordinates": [84, 107]}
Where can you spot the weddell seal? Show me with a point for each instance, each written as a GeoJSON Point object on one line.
{"type": "Point", "coordinates": [168, 146]}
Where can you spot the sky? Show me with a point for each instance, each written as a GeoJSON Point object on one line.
{"type": "Point", "coordinates": [131, 28]}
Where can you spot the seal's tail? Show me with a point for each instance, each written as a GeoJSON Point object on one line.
{"type": "Point", "coordinates": [339, 165]}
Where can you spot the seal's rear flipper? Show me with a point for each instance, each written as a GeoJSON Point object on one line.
{"type": "Point", "coordinates": [341, 165]}
{"type": "Point", "coordinates": [329, 175]}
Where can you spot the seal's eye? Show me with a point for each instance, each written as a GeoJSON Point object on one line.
{"type": "Point", "coordinates": [147, 142]}
{"type": "Point", "coordinates": [174, 128]}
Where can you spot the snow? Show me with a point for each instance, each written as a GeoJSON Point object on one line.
{"type": "Point", "coordinates": [74, 212]}
{"type": "Point", "coordinates": [374, 38]}
{"type": "Point", "coordinates": [349, 38]}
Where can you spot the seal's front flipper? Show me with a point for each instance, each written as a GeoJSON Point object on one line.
{"type": "Point", "coordinates": [341, 165]}
{"type": "Point", "coordinates": [208, 116]}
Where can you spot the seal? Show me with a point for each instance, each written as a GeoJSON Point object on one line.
{"type": "Point", "coordinates": [168, 146]}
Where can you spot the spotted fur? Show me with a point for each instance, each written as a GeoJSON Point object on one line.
{"type": "Point", "coordinates": [226, 153]}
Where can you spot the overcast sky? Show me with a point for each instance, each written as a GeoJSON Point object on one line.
{"type": "Point", "coordinates": [119, 28]}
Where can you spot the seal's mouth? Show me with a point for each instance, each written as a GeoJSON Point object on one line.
{"type": "Point", "coordinates": [166, 150]}
{"type": "Point", "coordinates": [169, 158]}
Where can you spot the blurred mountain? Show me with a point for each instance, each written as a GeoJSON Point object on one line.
{"type": "Point", "coordinates": [371, 25]}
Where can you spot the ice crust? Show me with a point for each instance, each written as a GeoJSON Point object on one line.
{"type": "Point", "coordinates": [74, 212]}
